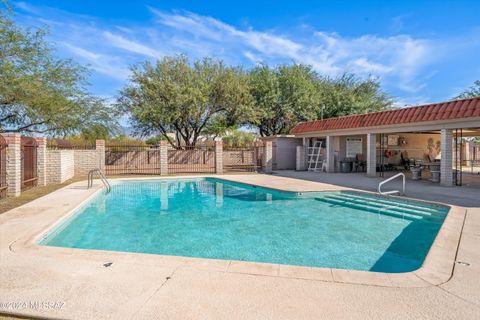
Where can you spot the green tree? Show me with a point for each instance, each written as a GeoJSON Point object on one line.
{"type": "Point", "coordinates": [347, 95]}
{"type": "Point", "coordinates": [176, 96]}
{"type": "Point", "coordinates": [40, 93]}
{"type": "Point", "coordinates": [155, 140]}
{"type": "Point", "coordinates": [473, 91]}
{"type": "Point", "coordinates": [239, 139]}
{"type": "Point", "coordinates": [283, 97]}
{"type": "Point", "coordinates": [290, 94]}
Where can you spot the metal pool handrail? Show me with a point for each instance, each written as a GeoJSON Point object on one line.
{"type": "Point", "coordinates": [102, 177]}
{"type": "Point", "coordinates": [393, 191]}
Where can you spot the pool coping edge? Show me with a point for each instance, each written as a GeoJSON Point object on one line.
{"type": "Point", "coordinates": [437, 267]}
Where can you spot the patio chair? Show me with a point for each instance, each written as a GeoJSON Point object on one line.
{"type": "Point", "coordinates": [404, 160]}
{"type": "Point", "coordinates": [359, 163]}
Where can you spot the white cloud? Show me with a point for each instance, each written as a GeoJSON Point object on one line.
{"type": "Point", "coordinates": [99, 62]}
{"type": "Point", "coordinates": [399, 61]}
{"type": "Point", "coordinates": [132, 46]}
{"type": "Point", "coordinates": [399, 58]}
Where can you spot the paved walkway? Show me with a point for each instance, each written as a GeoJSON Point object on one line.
{"type": "Point", "coordinates": [138, 286]}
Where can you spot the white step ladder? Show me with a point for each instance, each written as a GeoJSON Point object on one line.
{"type": "Point", "coordinates": [315, 164]}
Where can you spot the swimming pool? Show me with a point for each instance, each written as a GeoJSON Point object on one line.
{"type": "Point", "coordinates": [215, 218]}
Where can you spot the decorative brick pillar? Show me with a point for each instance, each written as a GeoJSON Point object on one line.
{"type": "Point", "coordinates": [219, 157]}
{"type": "Point", "coordinates": [446, 162]}
{"type": "Point", "coordinates": [42, 161]}
{"type": "Point", "coordinates": [371, 155]}
{"type": "Point", "coordinates": [14, 164]}
{"type": "Point", "coordinates": [267, 157]}
{"type": "Point", "coordinates": [163, 158]}
{"type": "Point", "coordinates": [100, 148]}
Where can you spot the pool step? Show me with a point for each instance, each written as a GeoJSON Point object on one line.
{"type": "Point", "coordinates": [385, 210]}
{"type": "Point", "coordinates": [406, 208]}
{"type": "Point", "coordinates": [391, 201]}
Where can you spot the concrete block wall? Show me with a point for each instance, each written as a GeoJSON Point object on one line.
{"type": "Point", "coordinates": [53, 166]}
{"type": "Point", "coordinates": [60, 166]}
{"type": "Point", "coordinates": [86, 160]}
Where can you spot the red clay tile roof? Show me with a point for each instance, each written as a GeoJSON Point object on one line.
{"type": "Point", "coordinates": [466, 108]}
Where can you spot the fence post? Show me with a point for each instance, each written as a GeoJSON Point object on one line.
{"type": "Point", "coordinates": [267, 157]}
{"type": "Point", "coordinates": [219, 157]}
{"type": "Point", "coordinates": [163, 158]}
{"type": "Point", "coordinates": [14, 164]}
{"type": "Point", "coordinates": [100, 147]}
{"type": "Point", "coordinates": [42, 161]}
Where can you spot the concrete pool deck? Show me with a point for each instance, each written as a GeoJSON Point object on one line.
{"type": "Point", "coordinates": [75, 283]}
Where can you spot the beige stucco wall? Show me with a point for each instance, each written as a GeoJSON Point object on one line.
{"type": "Point", "coordinates": [418, 145]}
{"type": "Point", "coordinates": [342, 146]}
{"type": "Point", "coordinates": [284, 153]}
{"type": "Point", "coordinates": [60, 166]}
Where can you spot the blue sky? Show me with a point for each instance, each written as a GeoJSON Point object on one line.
{"type": "Point", "coordinates": [421, 51]}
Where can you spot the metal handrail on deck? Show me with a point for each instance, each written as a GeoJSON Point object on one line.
{"type": "Point", "coordinates": [105, 182]}
{"type": "Point", "coordinates": [393, 191]}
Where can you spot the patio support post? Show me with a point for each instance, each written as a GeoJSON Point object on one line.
{"type": "Point", "coordinates": [163, 158]}
{"type": "Point", "coordinates": [219, 157]}
{"type": "Point", "coordinates": [446, 162]}
{"type": "Point", "coordinates": [306, 144]}
{"type": "Point", "coordinates": [301, 156]}
{"type": "Point", "coordinates": [42, 160]}
{"type": "Point", "coordinates": [267, 157]}
{"type": "Point", "coordinates": [330, 157]}
{"type": "Point", "coordinates": [371, 155]}
{"type": "Point", "coordinates": [100, 147]}
{"type": "Point", "coordinates": [14, 164]}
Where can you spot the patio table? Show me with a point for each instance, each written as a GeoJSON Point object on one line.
{"type": "Point", "coordinates": [432, 165]}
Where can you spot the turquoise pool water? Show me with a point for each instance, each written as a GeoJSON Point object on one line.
{"type": "Point", "coordinates": [213, 218]}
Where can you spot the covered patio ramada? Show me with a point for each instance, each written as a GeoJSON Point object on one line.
{"type": "Point", "coordinates": [434, 142]}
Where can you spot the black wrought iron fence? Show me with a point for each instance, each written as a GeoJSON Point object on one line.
{"type": "Point", "coordinates": [242, 159]}
{"type": "Point", "coordinates": [131, 159]}
{"type": "Point", "coordinates": [196, 159]}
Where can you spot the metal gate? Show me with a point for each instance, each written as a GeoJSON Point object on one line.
{"type": "Point", "coordinates": [3, 167]}
{"type": "Point", "coordinates": [29, 162]}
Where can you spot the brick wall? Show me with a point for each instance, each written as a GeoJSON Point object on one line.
{"type": "Point", "coordinates": [14, 164]}
{"type": "Point", "coordinates": [219, 157]}
{"type": "Point", "coordinates": [60, 166]}
{"type": "Point", "coordinates": [86, 160]}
